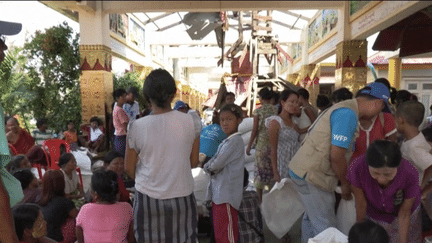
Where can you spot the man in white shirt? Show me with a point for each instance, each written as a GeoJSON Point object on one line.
{"type": "Point", "coordinates": [131, 107]}
{"type": "Point", "coordinates": [183, 107]}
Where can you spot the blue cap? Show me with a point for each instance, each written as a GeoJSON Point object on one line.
{"type": "Point", "coordinates": [179, 104]}
{"type": "Point", "coordinates": [377, 90]}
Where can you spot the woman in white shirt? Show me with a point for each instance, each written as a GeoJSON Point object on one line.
{"type": "Point", "coordinates": [161, 150]}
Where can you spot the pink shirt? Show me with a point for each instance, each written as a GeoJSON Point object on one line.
{"type": "Point", "coordinates": [105, 222]}
{"type": "Point", "coordinates": [119, 119]}
{"type": "Point", "coordinates": [381, 202]}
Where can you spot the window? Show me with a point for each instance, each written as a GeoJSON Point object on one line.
{"type": "Point", "coordinates": [412, 86]}
{"type": "Point", "coordinates": [427, 86]}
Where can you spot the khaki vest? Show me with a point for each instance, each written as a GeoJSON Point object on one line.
{"type": "Point", "coordinates": [313, 157]}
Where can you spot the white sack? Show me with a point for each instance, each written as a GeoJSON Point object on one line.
{"type": "Point", "coordinates": [281, 207]}
{"type": "Point", "coordinates": [330, 235]}
{"type": "Point", "coordinates": [246, 125]}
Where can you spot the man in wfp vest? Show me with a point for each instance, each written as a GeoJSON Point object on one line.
{"type": "Point", "coordinates": [323, 158]}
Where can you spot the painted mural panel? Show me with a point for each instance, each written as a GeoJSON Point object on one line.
{"type": "Point", "coordinates": [355, 6]}
{"type": "Point", "coordinates": [321, 26]}
{"type": "Point", "coordinates": [137, 35]}
{"type": "Point", "coordinates": [314, 32]}
{"type": "Point", "coordinates": [329, 21]}
{"type": "Point", "coordinates": [119, 24]}
{"type": "Point", "coordinates": [296, 50]}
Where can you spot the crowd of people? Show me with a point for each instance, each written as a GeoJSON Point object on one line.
{"type": "Point", "coordinates": [374, 147]}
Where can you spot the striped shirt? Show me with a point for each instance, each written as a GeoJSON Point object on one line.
{"type": "Point", "coordinates": [39, 136]}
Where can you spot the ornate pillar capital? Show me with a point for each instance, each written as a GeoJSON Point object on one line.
{"type": "Point", "coordinates": [95, 58]}
{"type": "Point", "coordinates": [351, 70]}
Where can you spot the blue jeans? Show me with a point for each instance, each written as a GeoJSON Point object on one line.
{"type": "Point", "coordinates": [319, 208]}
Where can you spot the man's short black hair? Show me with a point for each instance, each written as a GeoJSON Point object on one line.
{"type": "Point", "coordinates": [118, 92]}
{"type": "Point", "coordinates": [96, 119]}
{"type": "Point", "coordinates": [40, 122]}
{"type": "Point", "coordinates": [303, 93]}
{"type": "Point", "coordinates": [229, 93]}
{"type": "Point", "coordinates": [412, 111]}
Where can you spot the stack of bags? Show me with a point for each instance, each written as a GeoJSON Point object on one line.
{"type": "Point", "coordinates": [245, 129]}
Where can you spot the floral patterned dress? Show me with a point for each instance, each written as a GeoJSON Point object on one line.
{"type": "Point", "coordinates": [263, 172]}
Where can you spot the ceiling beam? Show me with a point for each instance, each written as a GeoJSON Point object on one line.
{"type": "Point", "coordinates": [170, 26]}
{"type": "Point", "coordinates": [212, 6]}
{"type": "Point", "coordinates": [151, 22]}
{"type": "Point", "coordinates": [284, 25]}
{"type": "Point", "coordinates": [157, 17]}
{"type": "Point", "coordinates": [294, 15]}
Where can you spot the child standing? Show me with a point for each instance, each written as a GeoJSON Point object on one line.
{"type": "Point", "coordinates": [226, 184]}
{"type": "Point", "coordinates": [120, 121]}
{"type": "Point", "coordinates": [415, 148]}
{"type": "Point", "coordinates": [264, 173]}
{"type": "Point", "coordinates": [131, 107]}
{"type": "Point", "coordinates": [106, 220]}
{"type": "Point", "coordinates": [42, 133]}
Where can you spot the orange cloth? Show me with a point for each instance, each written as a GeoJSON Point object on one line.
{"type": "Point", "coordinates": [70, 137]}
{"type": "Point", "coordinates": [24, 142]}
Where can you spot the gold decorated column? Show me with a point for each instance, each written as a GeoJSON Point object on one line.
{"type": "Point", "coordinates": [308, 76]}
{"type": "Point", "coordinates": [186, 92]}
{"type": "Point", "coordinates": [96, 81]}
{"type": "Point", "coordinates": [292, 78]}
{"type": "Point", "coordinates": [395, 72]}
{"type": "Point", "coordinates": [351, 70]}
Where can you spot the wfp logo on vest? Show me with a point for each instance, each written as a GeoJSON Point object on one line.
{"type": "Point", "coordinates": [341, 138]}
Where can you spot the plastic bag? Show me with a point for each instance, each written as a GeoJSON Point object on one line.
{"type": "Point", "coordinates": [281, 207]}
{"type": "Point", "coordinates": [246, 125]}
{"type": "Point", "coordinates": [329, 235]}
{"type": "Point", "coordinates": [83, 162]}
{"type": "Point", "coordinates": [346, 215]}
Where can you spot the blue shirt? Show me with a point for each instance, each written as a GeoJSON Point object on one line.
{"type": "Point", "coordinates": [210, 138]}
{"type": "Point", "coordinates": [132, 110]}
{"type": "Point", "coordinates": [343, 124]}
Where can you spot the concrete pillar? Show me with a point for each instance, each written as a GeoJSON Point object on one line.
{"type": "Point", "coordinates": [395, 72]}
{"type": "Point", "coordinates": [351, 70]}
{"type": "Point", "coordinates": [96, 82]}
{"type": "Point", "coordinates": [176, 69]}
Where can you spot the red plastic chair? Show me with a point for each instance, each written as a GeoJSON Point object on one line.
{"type": "Point", "coordinates": [78, 170]}
{"type": "Point", "coordinates": [51, 147]}
{"type": "Point", "coordinates": [13, 149]}
{"type": "Point", "coordinates": [52, 151]}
